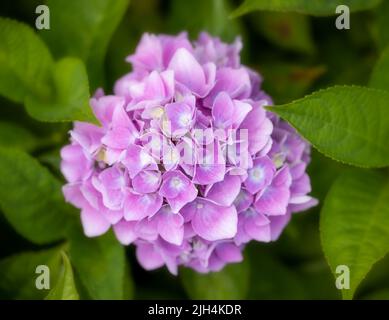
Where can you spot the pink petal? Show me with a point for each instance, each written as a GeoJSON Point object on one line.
{"type": "Point", "coordinates": [125, 231]}
{"type": "Point", "coordinates": [170, 226]}
{"type": "Point", "coordinates": [93, 223]}
{"type": "Point", "coordinates": [213, 222]}
{"type": "Point", "coordinates": [137, 207]}
{"type": "Point", "coordinates": [225, 192]}
{"type": "Point", "coordinates": [148, 257]}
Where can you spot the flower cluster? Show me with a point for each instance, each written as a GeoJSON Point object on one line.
{"type": "Point", "coordinates": [186, 164]}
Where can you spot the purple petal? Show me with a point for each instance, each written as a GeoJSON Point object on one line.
{"type": "Point", "coordinates": [259, 129]}
{"type": "Point", "coordinates": [148, 257]}
{"type": "Point", "coordinates": [225, 192]}
{"type": "Point", "coordinates": [170, 226]}
{"type": "Point", "coordinates": [136, 159]}
{"type": "Point", "coordinates": [222, 111]}
{"type": "Point", "coordinates": [274, 200]}
{"type": "Point", "coordinates": [243, 201]}
{"type": "Point", "coordinates": [105, 106]}
{"type": "Point", "coordinates": [188, 71]}
{"type": "Point", "coordinates": [93, 223]}
{"type": "Point", "coordinates": [213, 222]}
{"type": "Point", "coordinates": [137, 207]}
{"type": "Point", "coordinates": [229, 252]}
{"type": "Point", "coordinates": [235, 82]}
{"type": "Point", "coordinates": [74, 165]}
{"type": "Point", "coordinates": [257, 227]}
{"type": "Point", "coordinates": [260, 175]}
{"type": "Point", "coordinates": [125, 231]}
{"type": "Point", "coordinates": [146, 181]}
{"type": "Point", "coordinates": [148, 54]}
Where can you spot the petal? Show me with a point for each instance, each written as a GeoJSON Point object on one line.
{"type": "Point", "coordinates": [147, 229]}
{"type": "Point", "coordinates": [148, 54]}
{"type": "Point", "coordinates": [225, 192]}
{"type": "Point", "coordinates": [213, 222]}
{"type": "Point", "coordinates": [73, 195]}
{"type": "Point", "coordinates": [187, 196]}
{"type": "Point", "coordinates": [274, 200]}
{"type": "Point", "coordinates": [74, 165]}
{"type": "Point", "coordinates": [146, 181]}
{"type": "Point", "coordinates": [87, 135]}
{"type": "Point", "coordinates": [259, 129]}
{"type": "Point", "coordinates": [260, 175]}
{"type": "Point", "coordinates": [243, 201]}
{"type": "Point", "coordinates": [174, 182]}
{"type": "Point", "coordinates": [104, 108]}
{"type": "Point", "coordinates": [258, 227]}
{"type": "Point", "coordinates": [118, 138]}
{"type": "Point", "coordinates": [222, 111]}
{"type": "Point", "coordinates": [241, 110]}
{"type": "Point", "coordinates": [277, 224]}
{"type": "Point", "coordinates": [188, 71]}
{"type": "Point", "coordinates": [235, 82]}
{"type": "Point", "coordinates": [125, 231]}
{"type": "Point", "coordinates": [179, 119]}
{"type": "Point", "coordinates": [148, 257]}
{"type": "Point", "coordinates": [93, 223]}
{"type": "Point", "coordinates": [137, 207]}
{"type": "Point", "coordinates": [229, 252]}
{"type": "Point", "coordinates": [136, 159]}
{"type": "Point", "coordinates": [170, 226]}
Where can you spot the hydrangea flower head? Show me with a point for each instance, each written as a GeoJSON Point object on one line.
{"type": "Point", "coordinates": [187, 165]}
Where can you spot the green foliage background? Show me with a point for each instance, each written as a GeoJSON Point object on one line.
{"type": "Point", "coordinates": [331, 85]}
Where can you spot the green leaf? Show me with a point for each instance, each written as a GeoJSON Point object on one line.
{"type": "Point", "coordinates": [232, 282]}
{"type": "Point", "coordinates": [314, 7]}
{"type": "Point", "coordinates": [86, 34]}
{"type": "Point", "coordinates": [289, 31]}
{"type": "Point", "coordinates": [200, 15]}
{"type": "Point", "coordinates": [31, 198]}
{"type": "Point", "coordinates": [14, 136]}
{"type": "Point", "coordinates": [100, 264]}
{"type": "Point", "coordinates": [71, 100]}
{"type": "Point", "coordinates": [65, 288]}
{"type": "Point", "coordinates": [348, 124]}
{"type": "Point", "coordinates": [355, 223]}
{"type": "Point", "coordinates": [25, 62]}
{"type": "Point", "coordinates": [380, 76]}
{"type": "Point", "coordinates": [18, 273]}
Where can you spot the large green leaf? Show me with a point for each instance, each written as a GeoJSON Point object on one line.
{"type": "Point", "coordinates": [31, 198]}
{"type": "Point", "coordinates": [18, 274]}
{"type": "Point", "coordinates": [349, 124]}
{"type": "Point", "coordinates": [14, 136]}
{"type": "Point", "coordinates": [65, 288]}
{"type": "Point", "coordinates": [203, 15]}
{"type": "Point", "coordinates": [232, 282]}
{"type": "Point", "coordinates": [71, 101]}
{"type": "Point", "coordinates": [25, 62]}
{"type": "Point", "coordinates": [355, 223]}
{"type": "Point", "coordinates": [380, 77]}
{"type": "Point", "coordinates": [86, 34]}
{"type": "Point", "coordinates": [100, 264]}
{"type": "Point", "coordinates": [314, 7]}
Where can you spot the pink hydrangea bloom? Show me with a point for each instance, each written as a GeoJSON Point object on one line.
{"type": "Point", "coordinates": [186, 164]}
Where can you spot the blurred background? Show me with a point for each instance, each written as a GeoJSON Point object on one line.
{"type": "Point", "coordinates": [296, 54]}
